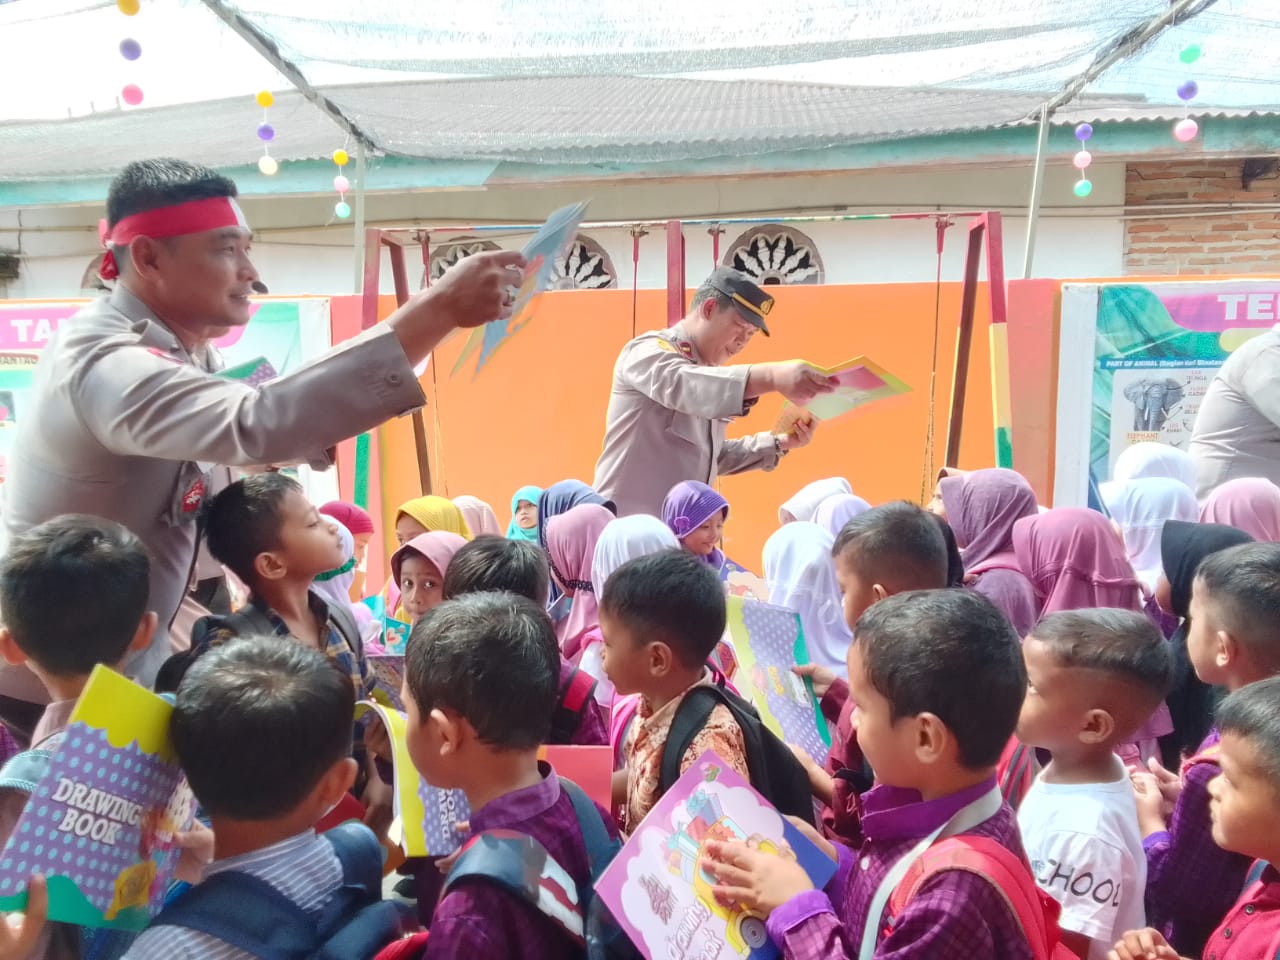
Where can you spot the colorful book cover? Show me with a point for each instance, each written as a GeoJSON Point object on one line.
{"type": "Point", "coordinates": [659, 893]}
{"type": "Point", "coordinates": [860, 381]}
{"type": "Point", "coordinates": [541, 252]}
{"type": "Point", "coordinates": [388, 679]}
{"type": "Point", "coordinates": [254, 372]}
{"type": "Point", "coordinates": [426, 817]}
{"type": "Point", "coordinates": [769, 641]}
{"type": "Point", "coordinates": [589, 766]}
{"type": "Point", "coordinates": [395, 636]}
{"type": "Point", "coordinates": [100, 823]}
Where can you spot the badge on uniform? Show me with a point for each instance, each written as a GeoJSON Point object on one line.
{"type": "Point", "coordinates": [193, 497]}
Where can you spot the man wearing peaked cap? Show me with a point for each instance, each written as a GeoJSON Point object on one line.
{"type": "Point", "coordinates": [673, 397]}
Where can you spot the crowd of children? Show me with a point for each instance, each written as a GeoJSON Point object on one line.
{"type": "Point", "coordinates": [1053, 732]}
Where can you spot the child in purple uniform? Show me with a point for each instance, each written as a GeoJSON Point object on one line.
{"type": "Point", "coordinates": [934, 744]}
{"type": "Point", "coordinates": [481, 678]}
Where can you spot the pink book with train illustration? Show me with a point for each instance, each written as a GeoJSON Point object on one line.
{"type": "Point", "coordinates": [659, 894]}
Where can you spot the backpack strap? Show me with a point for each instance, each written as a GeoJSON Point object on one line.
{"type": "Point", "coordinates": [1254, 875]}
{"type": "Point", "coordinates": [998, 866]}
{"type": "Point", "coordinates": [577, 693]}
{"type": "Point", "coordinates": [1017, 769]}
{"type": "Point", "coordinates": [691, 716]}
{"type": "Point", "coordinates": [601, 847]}
{"type": "Point", "coordinates": [521, 865]}
{"type": "Point", "coordinates": [345, 621]}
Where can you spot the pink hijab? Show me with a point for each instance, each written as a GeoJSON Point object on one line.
{"type": "Point", "coordinates": [1075, 560]}
{"type": "Point", "coordinates": [982, 508]}
{"type": "Point", "coordinates": [1250, 504]}
{"type": "Point", "coordinates": [438, 547]}
{"type": "Point", "coordinates": [480, 517]}
{"type": "Point", "coordinates": [571, 546]}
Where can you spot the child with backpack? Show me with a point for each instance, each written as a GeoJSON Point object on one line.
{"type": "Point", "coordinates": [1093, 678]}
{"type": "Point", "coordinates": [940, 874]}
{"type": "Point", "coordinates": [481, 681]}
{"type": "Point", "coordinates": [1234, 640]}
{"type": "Point", "coordinates": [1244, 805]}
{"type": "Point", "coordinates": [263, 732]}
{"type": "Point", "coordinates": [661, 617]}
{"type": "Point", "coordinates": [489, 564]}
{"type": "Point", "coordinates": [74, 595]}
{"type": "Point", "coordinates": [264, 530]}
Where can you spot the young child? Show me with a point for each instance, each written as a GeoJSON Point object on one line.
{"type": "Point", "coordinates": [1234, 640]}
{"type": "Point", "coordinates": [266, 532]}
{"type": "Point", "coordinates": [804, 505]}
{"type": "Point", "coordinates": [1244, 805]}
{"type": "Point", "coordinates": [492, 564]}
{"type": "Point", "coordinates": [889, 549]}
{"type": "Point", "coordinates": [74, 595]}
{"type": "Point", "coordinates": [524, 514]}
{"type": "Point", "coordinates": [429, 514]}
{"type": "Point", "coordinates": [263, 732]}
{"type": "Point", "coordinates": [801, 574]}
{"type": "Point", "coordinates": [480, 687]}
{"type": "Point", "coordinates": [479, 516]}
{"type": "Point", "coordinates": [571, 548]}
{"type": "Point", "coordinates": [1093, 677]}
{"type": "Point", "coordinates": [418, 569]}
{"type": "Point", "coordinates": [696, 514]}
{"type": "Point", "coordinates": [661, 617]}
{"type": "Point", "coordinates": [934, 744]}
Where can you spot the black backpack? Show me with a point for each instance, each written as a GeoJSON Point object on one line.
{"type": "Point", "coordinates": [774, 770]}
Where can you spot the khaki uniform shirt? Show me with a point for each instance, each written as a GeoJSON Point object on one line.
{"type": "Point", "coordinates": [126, 425]}
{"type": "Point", "coordinates": [1237, 431]}
{"type": "Point", "coordinates": [668, 412]}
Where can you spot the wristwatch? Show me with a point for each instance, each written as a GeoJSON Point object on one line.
{"type": "Point", "coordinates": [778, 448]}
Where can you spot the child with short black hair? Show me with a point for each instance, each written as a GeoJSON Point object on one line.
{"type": "Point", "coordinates": [1234, 640]}
{"type": "Point", "coordinates": [1244, 805]}
{"type": "Point", "coordinates": [266, 532]}
{"type": "Point", "coordinates": [263, 732]}
{"type": "Point", "coordinates": [934, 744]}
{"type": "Point", "coordinates": [662, 616]}
{"type": "Point", "coordinates": [1093, 678]}
{"type": "Point", "coordinates": [480, 687]}
{"type": "Point", "coordinates": [489, 564]}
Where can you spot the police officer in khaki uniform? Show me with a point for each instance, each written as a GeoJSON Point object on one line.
{"type": "Point", "coordinates": [672, 400]}
{"type": "Point", "coordinates": [126, 419]}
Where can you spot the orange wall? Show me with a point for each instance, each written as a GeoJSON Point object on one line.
{"type": "Point", "coordinates": [535, 413]}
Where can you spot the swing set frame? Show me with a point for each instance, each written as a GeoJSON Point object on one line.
{"type": "Point", "coordinates": [985, 235]}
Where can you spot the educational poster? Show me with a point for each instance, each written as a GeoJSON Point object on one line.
{"type": "Point", "coordinates": [1135, 361]}
{"type": "Point", "coordinates": [283, 333]}
{"type": "Point", "coordinates": [659, 894]}
{"type": "Point", "coordinates": [100, 823]}
{"type": "Point", "coordinates": [769, 641]}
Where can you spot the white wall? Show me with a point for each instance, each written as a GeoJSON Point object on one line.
{"type": "Point", "coordinates": [297, 253]}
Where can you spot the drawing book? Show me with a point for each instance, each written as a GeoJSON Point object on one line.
{"type": "Point", "coordinates": [769, 641]}
{"type": "Point", "coordinates": [861, 381]}
{"type": "Point", "coordinates": [426, 817]}
{"type": "Point", "coordinates": [387, 670]}
{"type": "Point", "coordinates": [659, 894]}
{"type": "Point", "coordinates": [101, 819]}
{"type": "Point", "coordinates": [254, 372]}
{"type": "Point", "coordinates": [542, 252]}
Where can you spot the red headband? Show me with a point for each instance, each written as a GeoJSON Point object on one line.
{"type": "Point", "coordinates": [195, 216]}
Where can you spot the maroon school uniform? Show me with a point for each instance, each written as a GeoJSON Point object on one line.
{"type": "Point", "coordinates": [478, 920]}
{"type": "Point", "coordinates": [842, 821]}
{"type": "Point", "coordinates": [593, 727]}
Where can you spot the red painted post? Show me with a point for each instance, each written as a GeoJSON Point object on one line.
{"type": "Point", "coordinates": [675, 272]}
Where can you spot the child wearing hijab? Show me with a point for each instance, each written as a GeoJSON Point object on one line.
{"type": "Point", "coordinates": [418, 568]}
{"type": "Point", "coordinates": [478, 516]}
{"type": "Point", "coordinates": [834, 512]}
{"type": "Point", "coordinates": [1075, 561]}
{"type": "Point", "coordinates": [982, 508]}
{"type": "Point", "coordinates": [626, 539]}
{"type": "Point", "coordinates": [335, 585]}
{"type": "Point", "coordinates": [1183, 546]}
{"type": "Point", "coordinates": [571, 547]}
{"type": "Point", "coordinates": [427, 515]}
{"type": "Point", "coordinates": [804, 504]}
{"type": "Point", "coordinates": [1251, 504]}
{"type": "Point", "coordinates": [561, 498]}
{"type": "Point", "coordinates": [1149, 459]}
{"type": "Point", "coordinates": [524, 514]}
{"type": "Point", "coordinates": [1141, 508]}
{"type": "Point", "coordinates": [801, 574]}
{"type": "Point", "coordinates": [356, 520]}
{"type": "Point", "coordinates": [696, 514]}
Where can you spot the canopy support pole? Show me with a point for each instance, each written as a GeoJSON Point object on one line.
{"type": "Point", "coordinates": [358, 263]}
{"type": "Point", "coordinates": [1037, 192]}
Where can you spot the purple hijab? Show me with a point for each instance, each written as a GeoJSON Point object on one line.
{"type": "Point", "coordinates": [688, 506]}
{"type": "Point", "coordinates": [1076, 561]}
{"type": "Point", "coordinates": [982, 508]}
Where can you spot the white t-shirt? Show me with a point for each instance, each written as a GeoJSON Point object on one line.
{"type": "Point", "coordinates": [1086, 852]}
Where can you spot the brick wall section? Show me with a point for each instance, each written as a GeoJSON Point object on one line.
{"type": "Point", "coordinates": [1236, 242]}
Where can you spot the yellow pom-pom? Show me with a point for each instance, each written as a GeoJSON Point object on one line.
{"type": "Point", "coordinates": [128, 7]}
{"type": "Point", "coordinates": [265, 99]}
{"type": "Point", "coordinates": [340, 158]}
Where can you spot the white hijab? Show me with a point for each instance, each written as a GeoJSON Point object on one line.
{"type": "Point", "coordinates": [802, 576]}
{"type": "Point", "coordinates": [1149, 459]}
{"type": "Point", "coordinates": [628, 538]}
{"type": "Point", "coordinates": [1141, 508]}
{"type": "Point", "coordinates": [805, 504]}
{"type": "Point", "coordinates": [835, 512]}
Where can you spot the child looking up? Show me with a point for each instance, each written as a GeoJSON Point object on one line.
{"type": "Point", "coordinates": [1093, 677]}
{"type": "Point", "coordinates": [1234, 640]}
{"type": "Point", "coordinates": [418, 569]}
{"type": "Point", "coordinates": [934, 744]}
{"type": "Point", "coordinates": [481, 676]}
